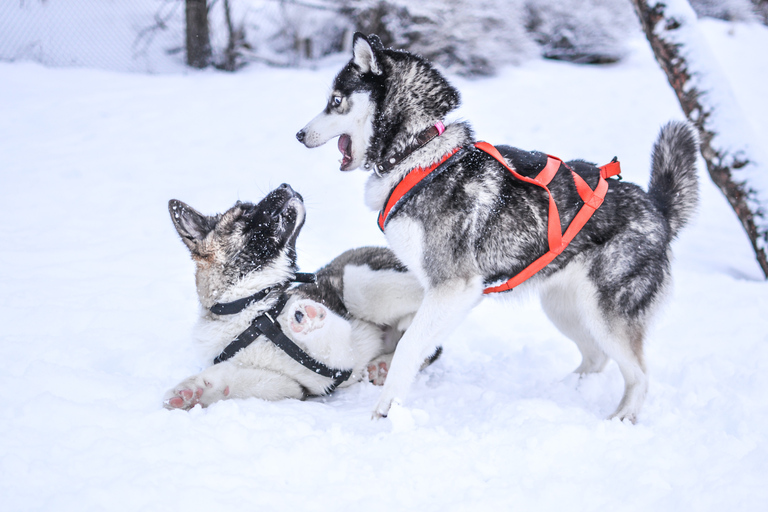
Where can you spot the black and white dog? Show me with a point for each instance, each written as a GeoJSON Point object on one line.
{"type": "Point", "coordinates": [272, 340]}
{"type": "Point", "coordinates": [474, 224]}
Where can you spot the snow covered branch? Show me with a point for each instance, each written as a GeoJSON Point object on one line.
{"type": "Point", "coordinates": [733, 158]}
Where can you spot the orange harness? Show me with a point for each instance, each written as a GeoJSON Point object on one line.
{"type": "Point", "coordinates": [558, 240]}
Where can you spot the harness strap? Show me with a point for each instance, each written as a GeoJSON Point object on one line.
{"type": "Point", "coordinates": [414, 181]}
{"type": "Point", "coordinates": [556, 239]}
{"type": "Point", "coordinates": [236, 306]}
{"type": "Point", "coordinates": [265, 324]}
{"type": "Point", "coordinates": [304, 277]}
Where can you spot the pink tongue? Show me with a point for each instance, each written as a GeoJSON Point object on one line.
{"type": "Point", "coordinates": [344, 143]}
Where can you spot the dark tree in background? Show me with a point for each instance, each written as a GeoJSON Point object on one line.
{"type": "Point", "coordinates": [761, 9]}
{"type": "Point", "coordinates": [231, 59]}
{"type": "Point", "coordinates": [198, 41]}
{"type": "Point", "coordinates": [671, 29]}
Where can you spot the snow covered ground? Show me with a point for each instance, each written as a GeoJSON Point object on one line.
{"type": "Point", "coordinates": [98, 301]}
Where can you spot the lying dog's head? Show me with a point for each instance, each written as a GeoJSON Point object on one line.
{"type": "Point", "coordinates": [381, 100]}
{"type": "Point", "coordinates": [250, 246]}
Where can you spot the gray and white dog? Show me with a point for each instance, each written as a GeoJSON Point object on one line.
{"type": "Point", "coordinates": [474, 224]}
{"type": "Point", "coordinates": [349, 319]}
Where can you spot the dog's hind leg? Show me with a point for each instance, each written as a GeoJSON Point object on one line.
{"type": "Point", "coordinates": [624, 345]}
{"type": "Point", "coordinates": [384, 297]}
{"type": "Point", "coordinates": [561, 304]}
{"type": "Point", "coordinates": [379, 367]}
{"type": "Point", "coordinates": [570, 300]}
{"type": "Point", "coordinates": [442, 309]}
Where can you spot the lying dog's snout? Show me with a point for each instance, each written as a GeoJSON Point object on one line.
{"type": "Point", "coordinates": [300, 136]}
{"type": "Point", "coordinates": [291, 192]}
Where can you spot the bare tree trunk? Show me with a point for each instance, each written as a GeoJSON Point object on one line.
{"type": "Point", "coordinates": [235, 43]}
{"type": "Point", "coordinates": [198, 40]}
{"type": "Point", "coordinates": [671, 29]}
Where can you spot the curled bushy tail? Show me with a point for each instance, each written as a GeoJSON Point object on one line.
{"type": "Point", "coordinates": [674, 186]}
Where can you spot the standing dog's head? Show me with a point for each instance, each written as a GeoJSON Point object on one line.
{"type": "Point", "coordinates": [381, 100]}
{"type": "Point", "coordinates": [249, 247]}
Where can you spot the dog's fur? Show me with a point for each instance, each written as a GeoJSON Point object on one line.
{"type": "Point", "coordinates": [351, 317]}
{"type": "Point", "coordinates": [475, 225]}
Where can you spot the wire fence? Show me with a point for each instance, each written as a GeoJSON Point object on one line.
{"type": "Point", "coordinates": [106, 34]}
{"type": "Point", "coordinates": [464, 36]}
{"type": "Point", "coordinates": [149, 35]}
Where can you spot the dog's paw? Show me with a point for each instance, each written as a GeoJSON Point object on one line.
{"type": "Point", "coordinates": [382, 409]}
{"type": "Point", "coordinates": [306, 316]}
{"type": "Point", "coordinates": [377, 373]}
{"type": "Point", "coordinates": [195, 390]}
{"type": "Point", "coordinates": [378, 369]}
{"type": "Point", "coordinates": [630, 416]}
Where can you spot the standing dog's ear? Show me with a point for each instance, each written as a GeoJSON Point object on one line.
{"type": "Point", "coordinates": [191, 225]}
{"type": "Point", "coordinates": [363, 54]}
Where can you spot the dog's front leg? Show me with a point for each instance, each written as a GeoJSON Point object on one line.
{"type": "Point", "coordinates": [443, 308]}
{"type": "Point", "coordinates": [230, 380]}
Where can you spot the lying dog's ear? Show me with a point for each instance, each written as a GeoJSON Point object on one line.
{"type": "Point", "coordinates": [364, 54]}
{"type": "Point", "coordinates": [375, 42]}
{"type": "Point", "coordinates": [191, 225]}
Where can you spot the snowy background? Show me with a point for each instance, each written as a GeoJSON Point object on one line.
{"type": "Point", "coordinates": [98, 302]}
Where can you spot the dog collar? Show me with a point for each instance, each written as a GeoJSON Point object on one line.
{"type": "Point", "coordinates": [421, 140]}
{"type": "Point", "coordinates": [236, 306]}
{"type": "Point", "coordinates": [266, 325]}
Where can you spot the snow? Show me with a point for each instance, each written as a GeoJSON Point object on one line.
{"type": "Point", "coordinates": [98, 302]}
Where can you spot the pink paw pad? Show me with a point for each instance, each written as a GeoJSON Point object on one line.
{"type": "Point", "coordinates": [184, 399]}
{"type": "Point", "coordinates": [377, 374]}
{"type": "Point", "coordinates": [176, 402]}
{"type": "Point", "coordinates": [306, 317]}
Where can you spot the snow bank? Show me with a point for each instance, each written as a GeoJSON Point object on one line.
{"type": "Point", "coordinates": [98, 301]}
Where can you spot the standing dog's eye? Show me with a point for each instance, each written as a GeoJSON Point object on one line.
{"type": "Point", "coordinates": [336, 100]}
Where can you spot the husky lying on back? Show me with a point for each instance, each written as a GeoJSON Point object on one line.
{"type": "Point", "coordinates": [473, 224]}
{"type": "Point", "coordinates": [323, 334]}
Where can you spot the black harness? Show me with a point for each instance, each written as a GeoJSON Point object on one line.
{"type": "Point", "coordinates": [266, 325]}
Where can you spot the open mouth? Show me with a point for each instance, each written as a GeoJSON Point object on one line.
{"type": "Point", "coordinates": [293, 217]}
{"type": "Point", "coordinates": [345, 146]}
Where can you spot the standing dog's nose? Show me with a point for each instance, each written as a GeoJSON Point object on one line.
{"type": "Point", "coordinates": [301, 135]}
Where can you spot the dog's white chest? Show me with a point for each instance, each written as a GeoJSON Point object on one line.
{"type": "Point", "coordinates": [406, 239]}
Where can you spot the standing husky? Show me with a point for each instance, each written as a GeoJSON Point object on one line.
{"type": "Point", "coordinates": [322, 334]}
{"type": "Point", "coordinates": [473, 224]}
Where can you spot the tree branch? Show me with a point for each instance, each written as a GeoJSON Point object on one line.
{"type": "Point", "coordinates": [672, 50]}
